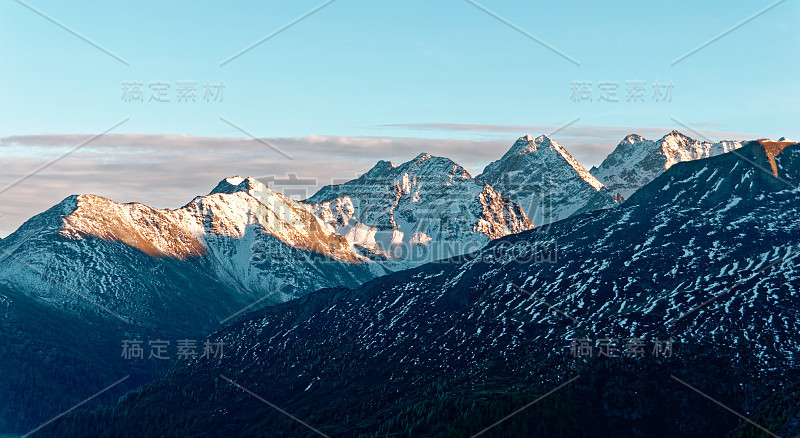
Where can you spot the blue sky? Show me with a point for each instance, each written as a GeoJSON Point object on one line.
{"type": "Point", "coordinates": [442, 70]}
{"type": "Point", "coordinates": [356, 65]}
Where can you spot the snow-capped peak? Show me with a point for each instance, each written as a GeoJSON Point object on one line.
{"type": "Point", "coordinates": [637, 160]}
{"type": "Point", "coordinates": [527, 145]}
{"type": "Point", "coordinates": [678, 134]}
{"type": "Point", "coordinates": [237, 183]}
{"type": "Point", "coordinates": [544, 178]}
{"type": "Point", "coordinates": [422, 157]}
{"type": "Point", "coordinates": [632, 138]}
{"type": "Point", "coordinates": [234, 180]}
{"type": "Point", "coordinates": [237, 208]}
{"type": "Point", "coordinates": [426, 201]}
{"type": "Point", "coordinates": [424, 170]}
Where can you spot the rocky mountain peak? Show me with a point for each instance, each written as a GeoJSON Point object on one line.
{"type": "Point", "coordinates": [425, 202]}
{"type": "Point", "coordinates": [544, 178]}
{"type": "Point", "coordinates": [528, 144]}
{"type": "Point", "coordinates": [237, 183]}
{"type": "Point", "coordinates": [637, 160]}
{"type": "Point", "coordinates": [422, 157]}
{"type": "Point", "coordinates": [632, 138]}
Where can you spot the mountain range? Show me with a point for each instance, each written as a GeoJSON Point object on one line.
{"type": "Point", "coordinates": [705, 256]}
{"type": "Point", "coordinates": [696, 221]}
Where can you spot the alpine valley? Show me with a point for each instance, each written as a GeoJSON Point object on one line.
{"type": "Point", "coordinates": [417, 300]}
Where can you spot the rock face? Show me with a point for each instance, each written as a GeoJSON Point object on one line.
{"type": "Point", "coordinates": [422, 210]}
{"type": "Point", "coordinates": [549, 184]}
{"type": "Point", "coordinates": [636, 161]}
{"type": "Point", "coordinates": [705, 255]}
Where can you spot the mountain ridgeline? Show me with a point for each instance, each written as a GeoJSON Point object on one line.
{"type": "Point", "coordinates": [417, 300]}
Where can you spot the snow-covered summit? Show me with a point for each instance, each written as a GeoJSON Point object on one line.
{"type": "Point", "coordinates": [425, 202]}
{"type": "Point", "coordinates": [237, 183]}
{"type": "Point", "coordinates": [231, 210]}
{"type": "Point", "coordinates": [240, 244]}
{"type": "Point", "coordinates": [549, 183]}
{"type": "Point", "coordinates": [637, 160]}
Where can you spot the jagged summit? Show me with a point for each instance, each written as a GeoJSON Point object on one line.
{"type": "Point", "coordinates": [428, 164]}
{"type": "Point", "coordinates": [237, 183]}
{"type": "Point", "coordinates": [426, 202]}
{"type": "Point", "coordinates": [224, 248]}
{"type": "Point", "coordinates": [676, 133]}
{"type": "Point", "coordinates": [636, 160]}
{"type": "Point", "coordinates": [549, 183]}
{"type": "Point", "coordinates": [632, 138]}
{"type": "Point", "coordinates": [424, 169]}
{"type": "Point", "coordinates": [237, 208]}
{"type": "Point", "coordinates": [528, 145]}
{"type": "Point", "coordinates": [380, 168]}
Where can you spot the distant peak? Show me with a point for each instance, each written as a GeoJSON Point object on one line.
{"type": "Point", "coordinates": [426, 160]}
{"type": "Point", "coordinates": [528, 144]}
{"type": "Point", "coordinates": [676, 133]}
{"type": "Point", "coordinates": [546, 152]}
{"type": "Point", "coordinates": [634, 138]}
{"type": "Point", "coordinates": [542, 139]}
{"type": "Point", "coordinates": [237, 183]}
{"type": "Point", "coordinates": [423, 162]}
{"type": "Point", "coordinates": [384, 165]}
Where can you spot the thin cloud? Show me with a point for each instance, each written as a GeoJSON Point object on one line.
{"type": "Point", "coordinates": [611, 134]}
